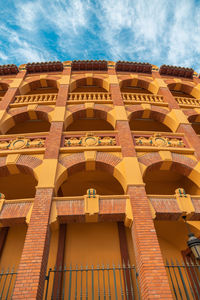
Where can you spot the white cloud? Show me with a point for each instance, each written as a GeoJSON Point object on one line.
{"type": "Point", "coordinates": [156, 31]}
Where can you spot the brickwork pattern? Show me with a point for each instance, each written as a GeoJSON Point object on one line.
{"type": "Point", "coordinates": [32, 268]}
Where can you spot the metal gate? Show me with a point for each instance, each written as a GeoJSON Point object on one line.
{"type": "Point", "coordinates": [100, 282]}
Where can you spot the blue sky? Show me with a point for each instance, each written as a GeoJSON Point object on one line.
{"type": "Point", "coordinates": [154, 31]}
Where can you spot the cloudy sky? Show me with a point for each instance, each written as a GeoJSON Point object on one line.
{"type": "Point", "coordinates": [155, 31]}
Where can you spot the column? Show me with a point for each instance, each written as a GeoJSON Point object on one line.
{"type": "Point", "coordinates": [152, 275]}
{"type": "Point", "coordinates": [32, 268]}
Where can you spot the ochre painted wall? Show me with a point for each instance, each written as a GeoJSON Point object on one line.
{"type": "Point", "coordinates": [13, 247]}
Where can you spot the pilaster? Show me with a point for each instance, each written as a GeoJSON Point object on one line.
{"type": "Point", "coordinates": [33, 263]}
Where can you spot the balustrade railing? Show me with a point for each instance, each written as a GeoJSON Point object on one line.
{"type": "Point", "coordinates": [92, 282]}
{"type": "Point", "coordinates": [42, 98]}
{"type": "Point", "coordinates": [86, 97]}
{"type": "Point", "coordinates": [142, 98]}
{"type": "Point", "coordinates": [184, 101]}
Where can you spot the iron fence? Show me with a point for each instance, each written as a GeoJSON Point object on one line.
{"type": "Point", "coordinates": [100, 282]}
{"type": "Point", "coordinates": [7, 281]}
{"type": "Point", "coordinates": [184, 279]}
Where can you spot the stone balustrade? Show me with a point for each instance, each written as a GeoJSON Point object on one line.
{"type": "Point", "coordinates": [86, 97]}
{"type": "Point", "coordinates": [37, 98]}
{"type": "Point", "coordinates": [187, 102]}
{"type": "Point", "coordinates": [143, 98]}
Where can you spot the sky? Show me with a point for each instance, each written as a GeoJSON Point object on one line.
{"type": "Point", "coordinates": [154, 31]}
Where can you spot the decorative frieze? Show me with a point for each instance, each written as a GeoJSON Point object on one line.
{"type": "Point", "coordinates": [21, 143]}
{"type": "Point", "coordinates": [157, 140]}
{"type": "Point", "coordinates": [89, 141]}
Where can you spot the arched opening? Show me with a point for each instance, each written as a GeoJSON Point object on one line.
{"type": "Point", "coordinates": [134, 86]}
{"type": "Point", "coordinates": [89, 85]}
{"type": "Point", "coordinates": [194, 120]}
{"type": "Point", "coordinates": [148, 125]}
{"type": "Point", "coordinates": [165, 182]}
{"type": "Point", "coordinates": [82, 122]}
{"type": "Point", "coordinates": [30, 126]}
{"type": "Point", "coordinates": [25, 125]}
{"type": "Point", "coordinates": [43, 86]}
{"type": "Point", "coordinates": [78, 183]}
{"type": "Point", "coordinates": [3, 89]}
{"type": "Point", "coordinates": [180, 90]}
{"type": "Point", "coordinates": [18, 186]}
{"type": "Point", "coordinates": [152, 123]}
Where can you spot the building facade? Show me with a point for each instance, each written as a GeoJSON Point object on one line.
{"type": "Point", "coordinates": [99, 163]}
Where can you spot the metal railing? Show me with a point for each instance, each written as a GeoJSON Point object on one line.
{"type": "Point", "coordinates": [100, 282]}
{"type": "Point", "coordinates": [7, 281]}
{"type": "Point", "coordinates": [184, 279]}
{"type": "Point", "coordinates": [89, 96]}
{"type": "Point", "coordinates": [142, 98]}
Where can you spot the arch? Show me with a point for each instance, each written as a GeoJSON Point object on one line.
{"type": "Point", "coordinates": [98, 111]}
{"type": "Point", "coordinates": [24, 165]}
{"type": "Point", "coordinates": [186, 90]}
{"type": "Point", "coordinates": [178, 163]}
{"type": "Point", "coordinates": [152, 112]}
{"type": "Point", "coordinates": [20, 115]}
{"type": "Point", "coordinates": [3, 88]}
{"type": "Point", "coordinates": [145, 84]}
{"type": "Point", "coordinates": [77, 162]}
{"type": "Point", "coordinates": [89, 81]}
{"type": "Point", "coordinates": [38, 84]}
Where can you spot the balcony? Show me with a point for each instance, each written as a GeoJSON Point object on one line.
{"type": "Point", "coordinates": [96, 208]}
{"type": "Point", "coordinates": [188, 102]}
{"type": "Point", "coordinates": [133, 98]}
{"type": "Point", "coordinates": [173, 207]}
{"type": "Point", "coordinates": [22, 100]}
{"type": "Point", "coordinates": [15, 211]}
{"type": "Point", "coordinates": [77, 98]}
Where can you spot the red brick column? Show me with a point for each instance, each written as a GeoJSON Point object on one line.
{"type": "Point", "coordinates": [122, 126]}
{"type": "Point", "coordinates": [165, 92]}
{"type": "Point", "coordinates": [152, 275]}
{"type": "Point", "coordinates": [32, 269]}
{"type": "Point", "coordinates": [191, 136]}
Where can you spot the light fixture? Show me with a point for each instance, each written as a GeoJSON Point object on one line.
{"type": "Point", "coordinates": [193, 242]}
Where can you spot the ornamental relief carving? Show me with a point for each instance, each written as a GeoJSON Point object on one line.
{"type": "Point", "coordinates": [159, 141]}
{"type": "Point", "coordinates": [21, 143]}
{"type": "Point", "coordinates": [90, 141]}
